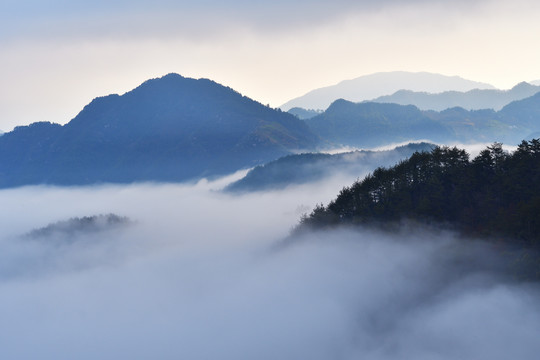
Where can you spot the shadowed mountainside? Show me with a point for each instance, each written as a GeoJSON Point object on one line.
{"type": "Point", "coordinates": [305, 168]}
{"type": "Point", "coordinates": [167, 129]}
{"type": "Point", "coordinates": [181, 129]}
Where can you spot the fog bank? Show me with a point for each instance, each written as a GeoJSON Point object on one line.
{"type": "Point", "coordinates": [198, 275]}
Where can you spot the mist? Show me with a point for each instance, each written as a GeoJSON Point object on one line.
{"type": "Point", "coordinates": [473, 149]}
{"type": "Point", "coordinates": [200, 274]}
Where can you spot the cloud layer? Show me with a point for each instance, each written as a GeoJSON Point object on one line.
{"type": "Point", "coordinates": [144, 18]}
{"type": "Point", "coordinates": [204, 275]}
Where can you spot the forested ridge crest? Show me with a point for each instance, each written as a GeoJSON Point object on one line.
{"type": "Point", "coordinates": [497, 193]}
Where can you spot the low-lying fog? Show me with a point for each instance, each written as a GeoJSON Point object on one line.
{"type": "Point", "coordinates": [197, 274]}
{"type": "Point", "coordinates": [473, 148]}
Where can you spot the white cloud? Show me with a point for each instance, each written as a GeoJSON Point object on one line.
{"type": "Point", "coordinates": [199, 276]}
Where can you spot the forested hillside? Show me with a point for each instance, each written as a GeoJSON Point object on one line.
{"type": "Point", "coordinates": [496, 193]}
{"type": "Point", "coordinates": [311, 167]}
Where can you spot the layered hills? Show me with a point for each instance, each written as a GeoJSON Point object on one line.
{"type": "Point", "coordinates": [471, 100]}
{"type": "Point", "coordinates": [370, 124]}
{"type": "Point", "coordinates": [379, 84]}
{"type": "Point", "coordinates": [175, 129]}
{"type": "Point", "coordinates": [310, 167]}
{"type": "Point", "coordinates": [373, 124]}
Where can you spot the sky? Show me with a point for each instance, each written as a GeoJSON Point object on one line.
{"type": "Point", "coordinates": [57, 55]}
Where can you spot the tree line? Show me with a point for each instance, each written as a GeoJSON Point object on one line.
{"type": "Point", "coordinates": [495, 193]}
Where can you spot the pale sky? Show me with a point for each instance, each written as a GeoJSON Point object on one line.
{"type": "Point", "coordinates": [57, 55]}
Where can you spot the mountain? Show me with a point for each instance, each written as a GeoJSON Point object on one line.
{"type": "Point", "coordinates": [371, 124]}
{"type": "Point", "coordinates": [535, 82]}
{"type": "Point", "coordinates": [524, 112]}
{"type": "Point", "coordinates": [372, 86]}
{"type": "Point", "coordinates": [311, 167]}
{"type": "Point", "coordinates": [374, 124]}
{"type": "Point", "coordinates": [167, 129]}
{"type": "Point", "coordinates": [471, 100]}
{"type": "Point", "coordinates": [478, 126]}
{"type": "Point", "coordinates": [180, 129]}
{"type": "Point", "coordinates": [496, 193]}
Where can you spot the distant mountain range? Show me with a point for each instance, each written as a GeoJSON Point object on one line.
{"type": "Point", "coordinates": [471, 100]}
{"type": "Point", "coordinates": [174, 129]}
{"type": "Point", "coordinates": [372, 124]}
{"type": "Point", "coordinates": [368, 125]}
{"type": "Point", "coordinates": [379, 84]}
{"type": "Point", "coordinates": [168, 129]}
{"type": "Point", "coordinates": [306, 168]}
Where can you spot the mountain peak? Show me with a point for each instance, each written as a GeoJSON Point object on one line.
{"type": "Point", "coordinates": [339, 103]}
{"type": "Point", "coordinates": [522, 85]}
{"type": "Point", "coordinates": [167, 129]}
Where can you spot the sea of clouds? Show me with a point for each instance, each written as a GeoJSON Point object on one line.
{"type": "Point", "coordinates": [200, 274]}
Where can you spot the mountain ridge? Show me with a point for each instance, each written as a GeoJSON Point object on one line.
{"type": "Point", "coordinates": [475, 99]}
{"type": "Point", "coordinates": [181, 129]}
{"type": "Point", "coordinates": [167, 129]}
{"type": "Point", "coordinates": [374, 85]}
{"type": "Point", "coordinates": [370, 124]}
{"type": "Point", "coordinates": [310, 167]}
